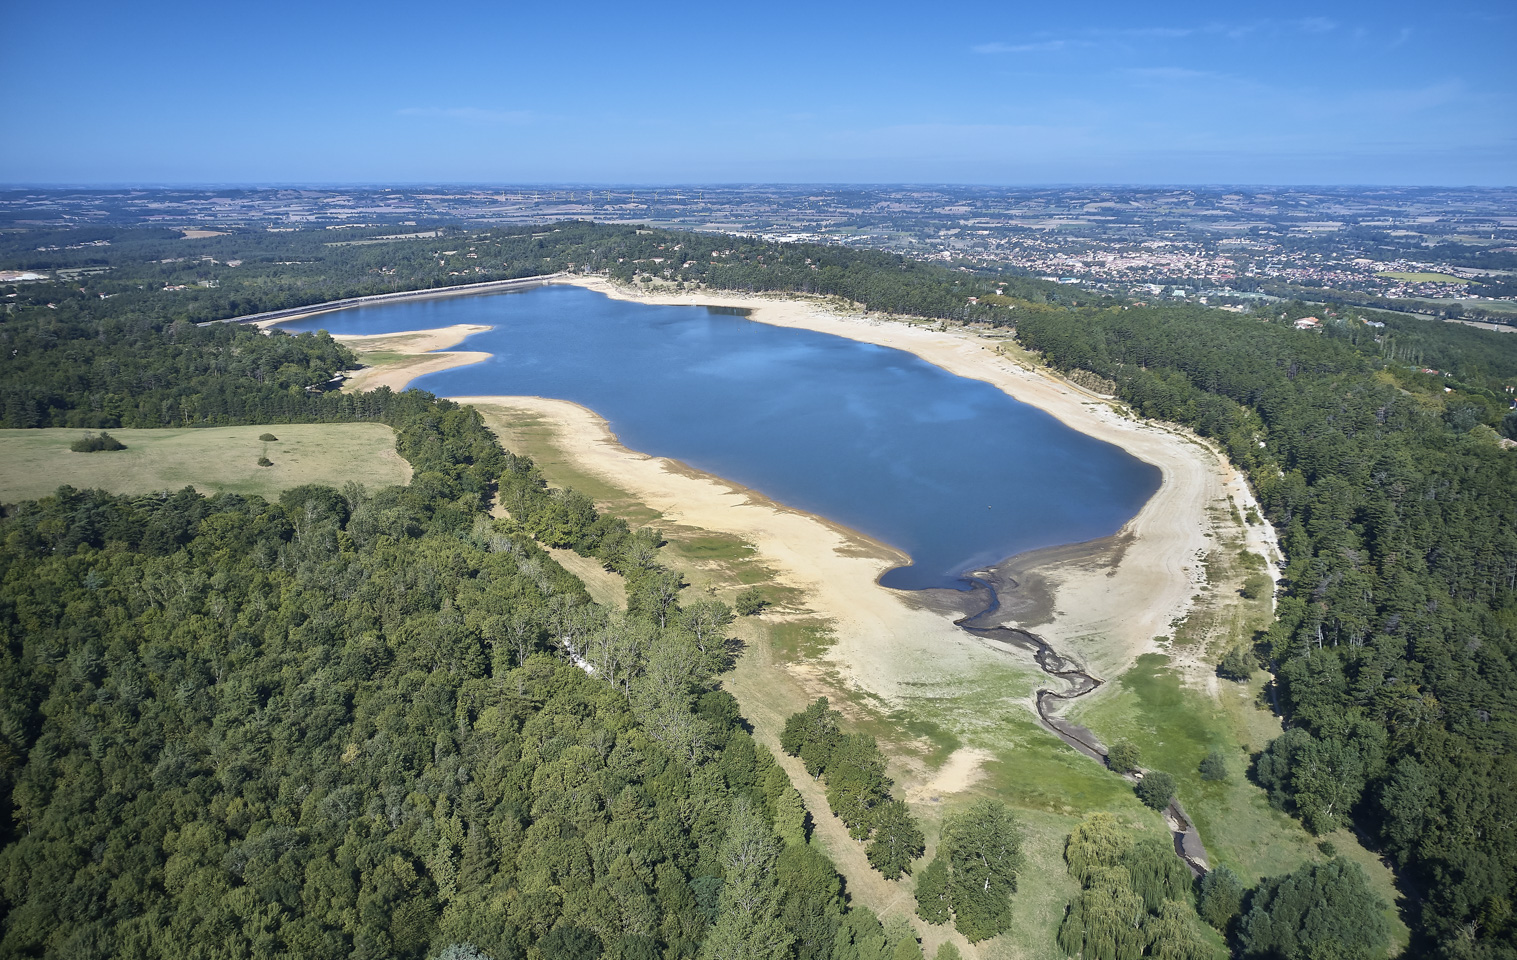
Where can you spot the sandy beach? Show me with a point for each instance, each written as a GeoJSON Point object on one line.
{"type": "Point", "coordinates": [883, 640]}
{"type": "Point", "coordinates": [1103, 603]}
{"type": "Point", "coordinates": [1105, 606]}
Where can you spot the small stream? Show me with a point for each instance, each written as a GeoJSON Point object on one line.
{"type": "Point", "coordinates": [1187, 839]}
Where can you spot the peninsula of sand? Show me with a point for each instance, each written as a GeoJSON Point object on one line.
{"type": "Point", "coordinates": [1101, 604]}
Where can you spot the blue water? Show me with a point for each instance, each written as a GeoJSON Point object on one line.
{"type": "Point", "coordinates": [952, 471]}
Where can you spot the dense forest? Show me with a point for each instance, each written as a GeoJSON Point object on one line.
{"type": "Point", "coordinates": [1396, 634]}
{"type": "Point", "coordinates": [381, 723]}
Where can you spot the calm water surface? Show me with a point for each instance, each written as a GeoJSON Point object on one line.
{"type": "Point", "coordinates": [952, 471]}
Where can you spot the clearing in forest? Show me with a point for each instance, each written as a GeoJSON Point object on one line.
{"type": "Point", "coordinates": [34, 463]}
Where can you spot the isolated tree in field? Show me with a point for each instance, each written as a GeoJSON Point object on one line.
{"type": "Point", "coordinates": [1237, 665]}
{"type": "Point", "coordinates": [1323, 911]}
{"type": "Point", "coordinates": [92, 443]}
{"type": "Point", "coordinates": [984, 847]}
{"type": "Point", "coordinates": [1214, 766]}
{"type": "Point", "coordinates": [1124, 756]}
{"type": "Point", "coordinates": [1156, 789]}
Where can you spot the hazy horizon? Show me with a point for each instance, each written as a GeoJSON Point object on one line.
{"type": "Point", "coordinates": [1341, 94]}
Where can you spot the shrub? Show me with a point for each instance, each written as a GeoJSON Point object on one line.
{"type": "Point", "coordinates": [1237, 665]}
{"type": "Point", "coordinates": [267, 437]}
{"type": "Point", "coordinates": [750, 602]}
{"type": "Point", "coordinates": [1255, 586]}
{"type": "Point", "coordinates": [91, 443]}
{"type": "Point", "coordinates": [1156, 790]}
{"type": "Point", "coordinates": [265, 462]}
{"type": "Point", "coordinates": [1214, 767]}
{"type": "Point", "coordinates": [1124, 756]}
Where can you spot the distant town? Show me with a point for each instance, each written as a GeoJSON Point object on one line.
{"type": "Point", "coordinates": [1442, 251]}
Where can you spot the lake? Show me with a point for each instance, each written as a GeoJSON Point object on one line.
{"type": "Point", "coordinates": [951, 471]}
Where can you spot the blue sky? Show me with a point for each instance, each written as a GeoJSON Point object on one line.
{"type": "Point", "coordinates": [1002, 93]}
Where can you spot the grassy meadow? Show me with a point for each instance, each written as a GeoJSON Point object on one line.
{"type": "Point", "coordinates": [33, 463]}
{"type": "Point", "coordinates": [1421, 277]}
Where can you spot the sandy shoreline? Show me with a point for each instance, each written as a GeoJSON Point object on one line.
{"type": "Point", "coordinates": [1103, 603]}
{"type": "Point", "coordinates": [1108, 604]}
{"type": "Point", "coordinates": [834, 567]}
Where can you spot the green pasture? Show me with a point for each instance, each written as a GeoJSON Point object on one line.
{"type": "Point", "coordinates": [34, 463]}
{"type": "Point", "coordinates": [1176, 724]}
{"type": "Point", "coordinates": [1421, 277]}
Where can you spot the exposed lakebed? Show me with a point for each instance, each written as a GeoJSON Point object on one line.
{"type": "Point", "coordinates": [951, 471]}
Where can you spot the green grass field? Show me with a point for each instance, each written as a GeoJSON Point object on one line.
{"type": "Point", "coordinates": [33, 463]}
{"type": "Point", "coordinates": [1421, 277]}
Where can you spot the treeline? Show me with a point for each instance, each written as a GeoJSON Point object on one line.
{"type": "Point", "coordinates": [858, 790]}
{"type": "Point", "coordinates": [116, 349]}
{"type": "Point", "coordinates": [377, 723]}
{"type": "Point", "coordinates": [1395, 639]}
{"type": "Point", "coordinates": [145, 276]}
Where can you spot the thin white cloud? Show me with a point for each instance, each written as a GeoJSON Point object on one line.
{"type": "Point", "coordinates": [1172, 73]}
{"type": "Point", "coordinates": [469, 114]}
{"type": "Point", "coordinates": [1315, 25]}
{"type": "Point", "coordinates": [1098, 37]}
{"type": "Point", "coordinates": [1161, 32]}
{"type": "Point", "coordinates": [1041, 46]}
